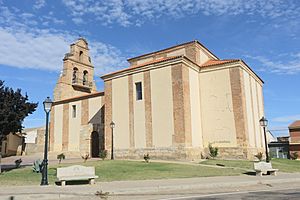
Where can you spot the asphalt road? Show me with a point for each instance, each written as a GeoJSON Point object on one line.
{"type": "Point", "coordinates": [293, 194]}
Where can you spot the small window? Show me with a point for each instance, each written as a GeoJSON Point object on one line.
{"type": "Point", "coordinates": [139, 92]}
{"type": "Point", "coordinates": [74, 111]}
{"type": "Point", "coordinates": [85, 77]}
{"type": "Point", "coordinates": [80, 56]}
{"type": "Point", "coordinates": [74, 77]}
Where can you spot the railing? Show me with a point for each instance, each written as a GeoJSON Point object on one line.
{"type": "Point", "coordinates": [81, 82]}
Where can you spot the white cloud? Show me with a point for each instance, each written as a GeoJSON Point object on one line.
{"type": "Point", "coordinates": [106, 58]}
{"type": "Point", "coordinates": [16, 19]}
{"type": "Point", "coordinates": [25, 46]}
{"type": "Point", "coordinates": [290, 65]}
{"type": "Point", "coordinates": [77, 20]}
{"type": "Point", "coordinates": [46, 19]}
{"type": "Point", "coordinates": [135, 12]}
{"type": "Point", "coordinates": [32, 50]}
{"type": "Point", "coordinates": [39, 4]}
{"type": "Point", "coordinates": [290, 118]}
{"type": "Point", "coordinates": [41, 49]}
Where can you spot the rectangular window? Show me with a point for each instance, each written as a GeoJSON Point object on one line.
{"type": "Point", "coordinates": [139, 92]}
{"type": "Point", "coordinates": [74, 111]}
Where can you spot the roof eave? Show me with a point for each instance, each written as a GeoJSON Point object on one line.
{"type": "Point", "coordinates": [186, 43]}
{"type": "Point", "coordinates": [111, 75]}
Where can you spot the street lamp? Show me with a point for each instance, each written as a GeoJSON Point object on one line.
{"type": "Point", "coordinates": [112, 126]}
{"type": "Point", "coordinates": [47, 107]}
{"type": "Point", "coordinates": [264, 123]}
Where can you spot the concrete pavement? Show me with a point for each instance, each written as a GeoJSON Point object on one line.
{"type": "Point", "coordinates": [154, 189]}
{"type": "Point", "coordinates": [278, 194]}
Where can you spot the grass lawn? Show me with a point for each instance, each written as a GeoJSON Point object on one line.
{"type": "Point", "coordinates": [284, 165]}
{"type": "Point", "coordinates": [118, 170]}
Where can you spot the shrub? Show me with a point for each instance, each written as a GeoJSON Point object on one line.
{"type": "Point", "coordinates": [102, 194]}
{"type": "Point", "coordinates": [259, 156]}
{"type": "Point", "coordinates": [294, 155]}
{"type": "Point", "coordinates": [18, 163]}
{"type": "Point", "coordinates": [37, 166]}
{"type": "Point", "coordinates": [85, 157]}
{"type": "Point", "coordinates": [61, 157]}
{"type": "Point", "coordinates": [103, 154]}
{"type": "Point", "coordinates": [146, 157]}
{"type": "Point", "coordinates": [213, 151]}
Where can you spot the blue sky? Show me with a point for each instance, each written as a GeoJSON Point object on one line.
{"type": "Point", "coordinates": [35, 35]}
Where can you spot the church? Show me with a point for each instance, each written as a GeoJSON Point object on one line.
{"type": "Point", "coordinates": [171, 103]}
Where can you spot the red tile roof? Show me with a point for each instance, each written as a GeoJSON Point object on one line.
{"type": "Point", "coordinates": [77, 98]}
{"type": "Point", "coordinates": [218, 62]}
{"type": "Point", "coordinates": [295, 124]}
{"type": "Point", "coordinates": [144, 64]}
{"type": "Point", "coordinates": [206, 64]}
{"type": "Point", "coordinates": [178, 45]}
{"type": "Point", "coordinates": [226, 61]}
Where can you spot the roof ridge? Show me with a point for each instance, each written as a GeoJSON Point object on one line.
{"type": "Point", "coordinates": [219, 62]}
{"type": "Point", "coordinates": [177, 45]}
{"type": "Point", "coordinates": [295, 124]}
{"type": "Point", "coordinates": [144, 64]}
{"type": "Point", "coordinates": [79, 96]}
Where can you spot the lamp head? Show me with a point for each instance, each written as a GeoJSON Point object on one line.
{"type": "Point", "coordinates": [112, 124]}
{"type": "Point", "coordinates": [263, 122]}
{"type": "Point", "coordinates": [47, 104]}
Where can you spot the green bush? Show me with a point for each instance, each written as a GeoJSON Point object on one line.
{"type": "Point", "coordinates": [103, 154]}
{"type": "Point", "coordinates": [294, 155]}
{"type": "Point", "coordinates": [85, 157]}
{"type": "Point", "coordinates": [213, 151]}
{"type": "Point", "coordinates": [146, 157]}
{"type": "Point", "coordinates": [259, 156]}
{"type": "Point", "coordinates": [18, 163]}
{"type": "Point", "coordinates": [61, 157]}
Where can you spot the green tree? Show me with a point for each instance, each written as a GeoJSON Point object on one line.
{"type": "Point", "coordinates": [213, 151]}
{"type": "Point", "coordinates": [14, 107]}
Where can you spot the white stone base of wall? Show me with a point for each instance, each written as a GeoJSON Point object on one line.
{"type": "Point", "coordinates": [173, 153]}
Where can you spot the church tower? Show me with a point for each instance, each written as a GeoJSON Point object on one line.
{"type": "Point", "coordinates": [77, 77]}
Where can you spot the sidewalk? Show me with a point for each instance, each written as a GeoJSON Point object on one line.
{"type": "Point", "coordinates": [153, 189]}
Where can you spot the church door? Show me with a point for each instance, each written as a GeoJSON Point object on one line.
{"type": "Point", "coordinates": [95, 144]}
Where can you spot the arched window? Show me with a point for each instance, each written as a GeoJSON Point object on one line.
{"type": "Point", "coordinates": [85, 77]}
{"type": "Point", "coordinates": [74, 78]}
{"type": "Point", "coordinates": [80, 56]}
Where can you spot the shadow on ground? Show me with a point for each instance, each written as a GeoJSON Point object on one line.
{"type": "Point", "coordinates": [250, 173]}
{"type": "Point", "coordinates": [9, 167]}
{"type": "Point", "coordinates": [73, 182]}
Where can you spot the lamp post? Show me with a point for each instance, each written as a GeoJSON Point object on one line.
{"type": "Point", "coordinates": [264, 123]}
{"type": "Point", "coordinates": [47, 107]}
{"type": "Point", "coordinates": [112, 126]}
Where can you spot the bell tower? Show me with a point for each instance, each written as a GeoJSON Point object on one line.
{"type": "Point", "coordinates": [77, 77]}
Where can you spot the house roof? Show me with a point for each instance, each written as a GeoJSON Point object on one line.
{"type": "Point", "coordinates": [32, 128]}
{"type": "Point", "coordinates": [295, 124]}
{"type": "Point", "coordinates": [210, 63]}
{"type": "Point", "coordinates": [77, 98]}
{"type": "Point", "coordinates": [141, 65]}
{"type": "Point", "coordinates": [218, 62]}
{"type": "Point", "coordinates": [182, 44]}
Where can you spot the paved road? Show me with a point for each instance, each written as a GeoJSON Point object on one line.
{"type": "Point", "coordinates": [196, 188]}
{"type": "Point", "coordinates": [265, 195]}
{"type": "Point", "coordinates": [243, 192]}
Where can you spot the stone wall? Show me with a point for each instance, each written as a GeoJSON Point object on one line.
{"type": "Point", "coordinates": [186, 153]}
{"type": "Point", "coordinates": [161, 153]}
{"type": "Point", "coordinates": [39, 145]}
